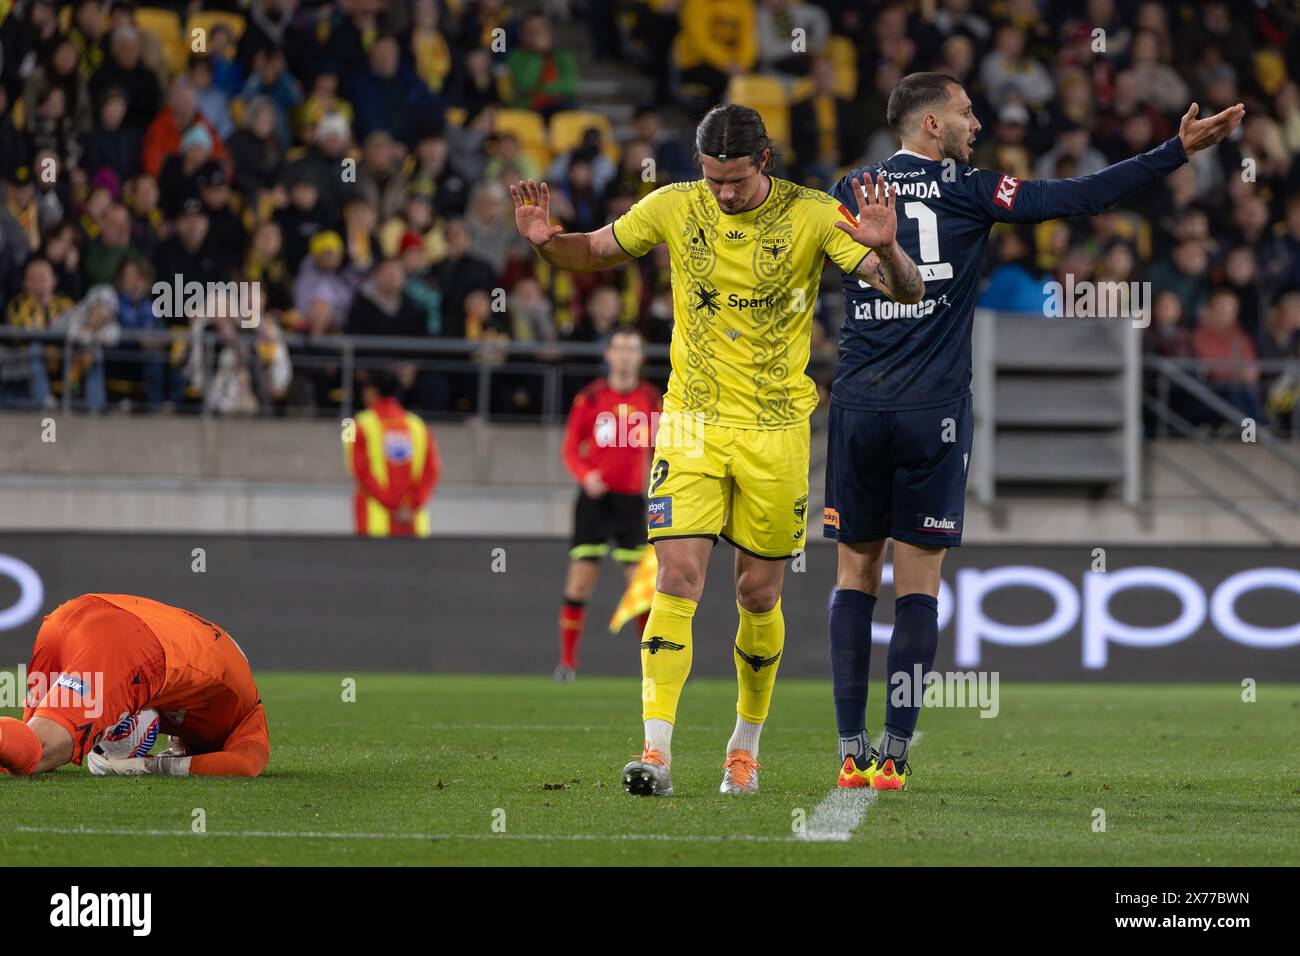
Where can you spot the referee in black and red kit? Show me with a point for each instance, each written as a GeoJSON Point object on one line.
{"type": "Point", "coordinates": [607, 449]}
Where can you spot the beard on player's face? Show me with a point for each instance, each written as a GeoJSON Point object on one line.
{"type": "Point", "coordinates": [957, 142]}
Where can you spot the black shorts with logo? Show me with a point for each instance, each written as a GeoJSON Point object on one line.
{"type": "Point", "coordinates": [612, 517]}
{"type": "Point", "coordinates": [898, 473]}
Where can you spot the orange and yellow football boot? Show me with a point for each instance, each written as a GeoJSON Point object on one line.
{"type": "Point", "coordinates": [887, 778]}
{"type": "Point", "coordinates": [851, 776]}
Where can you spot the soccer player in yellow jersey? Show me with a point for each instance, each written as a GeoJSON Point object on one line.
{"type": "Point", "coordinates": [731, 455]}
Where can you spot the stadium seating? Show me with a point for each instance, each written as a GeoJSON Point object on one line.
{"type": "Point", "coordinates": [568, 126]}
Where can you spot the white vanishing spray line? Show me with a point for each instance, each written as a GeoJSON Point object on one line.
{"type": "Point", "coordinates": [842, 812]}
{"type": "Point", "coordinates": [413, 837]}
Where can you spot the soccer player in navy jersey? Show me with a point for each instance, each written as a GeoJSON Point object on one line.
{"type": "Point", "coordinates": [900, 419]}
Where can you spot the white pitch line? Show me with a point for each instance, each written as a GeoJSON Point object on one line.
{"type": "Point", "coordinates": [842, 812]}
{"type": "Point", "coordinates": [426, 837]}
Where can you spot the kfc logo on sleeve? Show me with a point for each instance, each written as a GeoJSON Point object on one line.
{"type": "Point", "coordinates": [1005, 194]}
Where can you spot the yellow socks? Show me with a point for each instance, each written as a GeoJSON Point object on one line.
{"type": "Point", "coordinates": [759, 641]}
{"type": "Point", "coordinates": [665, 656]}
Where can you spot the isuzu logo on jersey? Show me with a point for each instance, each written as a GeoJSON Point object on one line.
{"type": "Point", "coordinates": [1005, 195]}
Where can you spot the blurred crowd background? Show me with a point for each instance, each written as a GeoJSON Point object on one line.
{"type": "Point", "coordinates": [132, 153]}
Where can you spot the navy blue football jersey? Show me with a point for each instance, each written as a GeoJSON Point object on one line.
{"type": "Point", "coordinates": [918, 356]}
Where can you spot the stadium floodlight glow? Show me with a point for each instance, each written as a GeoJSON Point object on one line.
{"type": "Point", "coordinates": [881, 633]}
{"type": "Point", "coordinates": [1223, 608]}
{"type": "Point", "coordinates": [973, 626]}
{"type": "Point", "coordinates": [31, 593]}
{"type": "Point", "coordinates": [1101, 630]}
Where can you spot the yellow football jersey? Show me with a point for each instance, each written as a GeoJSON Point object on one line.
{"type": "Point", "coordinates": [744, 287]}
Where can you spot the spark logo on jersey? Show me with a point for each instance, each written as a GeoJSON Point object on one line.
{"type": "Point", "coordinates": [1005, 194]}
{"type": "Point", "coordinates": [659, 512]}
{"type": "Point", "coordinates": [943, 523]}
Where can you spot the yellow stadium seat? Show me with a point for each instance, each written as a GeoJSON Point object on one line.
{"type": "Point", "coordinates": [208, 19]}
{"type": "Point", "coordinates": [844, 56]}
{"type": "Point", "coordinates": [767, 95]}
{"type": "Point", "coordinates": [163, 24]}
{"type": "Point", "coordinates": [568, 126]}
{"type": "Point", "coordinates": [526, 125]}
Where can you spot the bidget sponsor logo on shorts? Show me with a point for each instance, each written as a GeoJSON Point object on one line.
{"type": "Point", "coordinates": [659, 512]}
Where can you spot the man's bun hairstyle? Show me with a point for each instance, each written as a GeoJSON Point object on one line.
{"type": "Point", "coordinates": [731, 131]}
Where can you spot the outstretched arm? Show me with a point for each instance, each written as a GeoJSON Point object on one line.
{"type": "Point", "coordinates": [1007, 199]}
{"type": "Point", "coordinates": [886, 266]}
{"type": "Point", "coordinates": [572, 251]}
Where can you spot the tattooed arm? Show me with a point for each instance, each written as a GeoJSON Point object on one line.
{"type": "Point", "coordinates": [892, 271]}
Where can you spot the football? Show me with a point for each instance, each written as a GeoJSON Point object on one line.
{"type": "Point", "coordinates": [133, 736]}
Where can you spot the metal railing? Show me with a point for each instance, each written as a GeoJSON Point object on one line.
{"type": "Point", "coordinates": [555, 369]}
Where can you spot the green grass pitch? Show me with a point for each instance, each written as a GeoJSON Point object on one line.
{"type": "Point", "coordinates": [429, 769]}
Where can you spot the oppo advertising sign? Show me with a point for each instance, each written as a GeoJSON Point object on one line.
{"type": "Point", "coordinates": [325, 603]}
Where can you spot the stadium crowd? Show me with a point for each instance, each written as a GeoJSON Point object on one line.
{"type": "Point", "coordinates": [350, 159]}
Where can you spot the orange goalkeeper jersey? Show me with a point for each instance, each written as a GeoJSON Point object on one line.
{"type": "Point", "coordinates": [119, 653]}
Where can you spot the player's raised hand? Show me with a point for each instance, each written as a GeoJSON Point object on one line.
{"type": "Point", "coordinates": [533, 212]}
{"type": "Point", "coordinates": [877, 222]}
{"type": "Point", "coordinates": [1202, 134]}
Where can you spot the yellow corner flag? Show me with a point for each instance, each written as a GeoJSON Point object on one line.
{"type": "Point", "coordinates": [636, 599]}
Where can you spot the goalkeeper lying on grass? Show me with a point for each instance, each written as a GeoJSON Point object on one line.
{"type": "Point", "coordinates": [102, 657]}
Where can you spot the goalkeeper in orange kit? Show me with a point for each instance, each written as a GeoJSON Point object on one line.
{"type": "Point", "coordinates": [101, 657]}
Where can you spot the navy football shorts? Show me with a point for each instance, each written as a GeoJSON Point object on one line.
{"type": "Point", "coordinates": [898, 474]}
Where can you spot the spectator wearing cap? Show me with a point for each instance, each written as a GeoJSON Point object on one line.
{"type": "Point", "coordinates": [212, 101]}
{"type": "Point", "coordinates": [188, 252]}
{"type": "Point", "coordinates": [271, 80]}
{"type": "Point", "coordinates": [414, 259]}
{"type": "Point", "coordinates": [107, 251]}
{"type": "Point", "coordinates": [179, 178]}
{"type": "Point", "coordinates": [111, 143]}
{"type": "Point", "coordinates": [226, 233]}
{"type": "Point", "coordinates": [543, 79]}
{"type": "Point", "coordinates": [321, 165]}
{"type": "Point", "coordinates": [124, 70]}
{"type": "Point", "coordinates": [1228, 353]}
{"type": "Point", "coordinates": [257, 154]}
{"type": "Point", "coordinates": [387, 94]}
{"type": "Point", "coordinates": [323, 290]}
{"type": "Point", "coordinates": [177, 118]}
